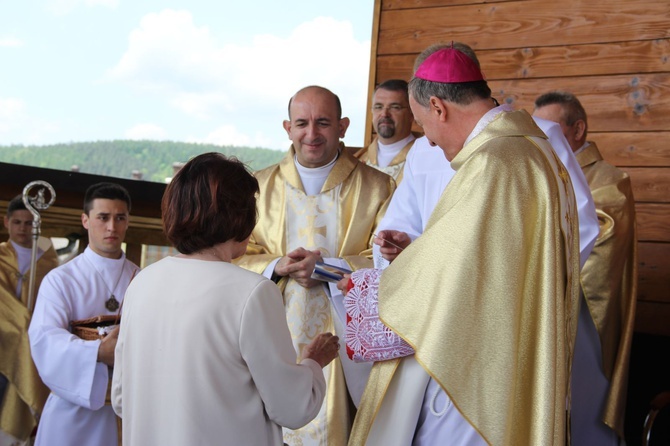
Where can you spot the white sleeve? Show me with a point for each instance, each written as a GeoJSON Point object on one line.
{"type": "Point", "coordinates": [68, 365]}
{"type": "Point", "coordinates": [292, 393]}
{"type": "Point", "coordinates": [403, 213]}
{"type": "Point", "coordinates": [117, 376]}
{"type": "Point", "coordinates": [355, 373]}
{"type": "Point", "coordinates": [270, 269]}
{"type": "Point", "coordinates": [586, 209]}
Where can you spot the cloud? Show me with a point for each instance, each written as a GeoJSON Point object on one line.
{"type": "Point", "coordinates": [111, 4]}
{"type": "Point", "coordinates": [228, 135]}
{"type": "Point", "coordinates": [244, 86]}
{"type": "Point", "coordinates": [17, 126]}
{"type": "Point", "coordinates": [12, 113]}
{"type": "Point", "coordinates": [10, 42]}
{"type": "Point", "coordinates": [146, 131]}
{"type": "Point", "coordinates": [63, 7]}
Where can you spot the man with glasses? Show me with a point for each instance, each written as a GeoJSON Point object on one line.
{"type": "Point", "coordinates": [392, 120]}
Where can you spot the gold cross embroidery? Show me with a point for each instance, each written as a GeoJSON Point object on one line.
{"type": "Point", "coordinates": [311, 231]}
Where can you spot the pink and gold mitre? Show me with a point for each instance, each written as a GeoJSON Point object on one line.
{"type": "Point", "coordinates": [449, 66]}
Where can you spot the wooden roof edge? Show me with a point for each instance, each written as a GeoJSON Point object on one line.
{"type": "Point", "coordinates": [70, 187]}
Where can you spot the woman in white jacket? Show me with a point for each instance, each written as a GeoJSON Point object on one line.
{"type": "Point", "coordinates": [204, 355]}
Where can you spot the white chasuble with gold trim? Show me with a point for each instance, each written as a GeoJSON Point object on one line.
{"type": "Point", "coordinates": [311, 223]}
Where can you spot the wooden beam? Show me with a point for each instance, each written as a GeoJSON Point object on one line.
{"type": "Point", "coordinates": [520, 24]}
{"type": "Point", "coordinates": [653, 222]}
{"type": "Point", "coordinates": [634, 149]}
{"type": "Point", "coordinates": [653, 272]}
{"type": "Point", "coordinates": [650, 184]}
{"type": "Point", "coordinates": [652, 318]}
{"type": "Point", "coordinates": [414, 4]}
{"type": "Point", "coordinates": [70, 187]}
{"type": "Point", "coordinates": [372, 77]}
{"type": "Point", "coordinates": [533, 62]}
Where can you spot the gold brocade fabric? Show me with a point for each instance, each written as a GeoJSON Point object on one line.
{"type": "Point", "coordinates": [609, 276]}
{"type": "Point", "coordinates": [9, 269]}
{"type": "Point", "coordinates": [364, 195]}
{"type": "Point", "coordinates": [339, 221]}
{"type": "Point", "coordinates": [368, 155]}
{"type": "Point", "coordinates": [25, 394]}
{"type": "Point", "coordinates": [486, 295]}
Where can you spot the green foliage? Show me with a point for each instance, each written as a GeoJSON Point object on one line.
{"type": "Point", "coordinates": [119, 158]}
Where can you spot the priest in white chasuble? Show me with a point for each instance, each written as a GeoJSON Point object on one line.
{"type": "Point", "coordinates": [487, 296]}
{"type": "Point", "coordinates": [318, 204]}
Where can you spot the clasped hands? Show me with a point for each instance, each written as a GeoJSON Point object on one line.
{"type": "Point", "coordinates": [299, 265]}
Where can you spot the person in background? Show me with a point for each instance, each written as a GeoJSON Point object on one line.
{"type": "Point", "coordinates": [22, 393]}
{"type": "Point", "coordinates": [318, 204]}
{"type": "Point", "coordinates": [608, 284]}
{"type": "Point", "coordinates": [392, 120]}
{"type": "Point", "coordinates": [208, 337]}
{"type": "Point", "coordinates": [78, 371]}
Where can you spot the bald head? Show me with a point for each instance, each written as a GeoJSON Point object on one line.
{"type": "Point", "coordinates": [318, 91]}
{"type": "Point", "coordinates": [315, 125]}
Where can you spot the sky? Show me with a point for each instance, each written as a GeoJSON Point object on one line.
{"type": "Point", "coordinates": [205, 71]}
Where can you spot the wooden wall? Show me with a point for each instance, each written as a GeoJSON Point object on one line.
{"type": "Point", "coordinates": [614, 55]}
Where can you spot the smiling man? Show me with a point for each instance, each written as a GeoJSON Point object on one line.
{"type": "Point", "coordinates": [319, 203]}
{"type": "Point", "coordinates": [392, 120]}
{"type": "Point", "coordinates": [76, 370]}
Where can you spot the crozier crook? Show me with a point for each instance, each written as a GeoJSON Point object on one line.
{"type": "Point", "coordinates": [35, 204]}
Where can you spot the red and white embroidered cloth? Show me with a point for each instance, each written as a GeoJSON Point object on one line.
{"type": "Point", "coordinates": [366, 337]}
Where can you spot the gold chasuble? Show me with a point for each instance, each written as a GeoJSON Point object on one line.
{"type": "Point", "coordinates": [488, 296]}
{"type": "Point", "coordinates": [609, 276]}
{"type": "Point", "coordinates": [25, 394]}
{"type": "Point", "coordinates": [10, 274]}
{"type": "Point", "coordinates": [368, 155]}
{"type": "Point", "coordinates": [339, 222]}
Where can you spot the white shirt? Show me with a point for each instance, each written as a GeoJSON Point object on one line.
{"type": "Point", "coordinates": [75, 412]}
{"type": "Point", "coordinates": [386, 152]}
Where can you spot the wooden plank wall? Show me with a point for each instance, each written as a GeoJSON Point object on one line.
{"type": "Point", "coordinates": [614, 55]}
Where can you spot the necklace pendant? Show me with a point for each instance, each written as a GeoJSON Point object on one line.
{"type": "Point", "coordinates": [112, 304]}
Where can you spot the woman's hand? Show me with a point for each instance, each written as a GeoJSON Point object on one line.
{"type": "Point", "coordinates": [343, 284]}
{"type": "Point", "coordinates": [323, 349]}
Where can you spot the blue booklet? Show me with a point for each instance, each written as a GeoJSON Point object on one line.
{"type": "Point", "coordinates": [329, 273]}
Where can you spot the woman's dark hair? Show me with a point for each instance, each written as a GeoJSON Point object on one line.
{"type": "Point", "coordinates": [211, 200]}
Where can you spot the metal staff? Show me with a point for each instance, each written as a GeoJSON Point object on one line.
{"type": "Point", "coordinates": [34, 205]}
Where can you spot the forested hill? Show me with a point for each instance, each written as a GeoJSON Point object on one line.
{"type": "Point", "coordinates": [119, 158]}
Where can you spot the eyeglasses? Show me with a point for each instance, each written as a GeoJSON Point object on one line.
{"type": "Point", "coordinates": [393, 108]}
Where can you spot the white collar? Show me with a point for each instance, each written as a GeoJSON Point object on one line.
{"type": "Point", "coordinates": [486, 120]}
{"type": "Point", "coordinates": [395, 146]}
{"type": "Point", "coordinates": [313, 178]}
{"type": "Point", "coordinates": [584, 146]}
